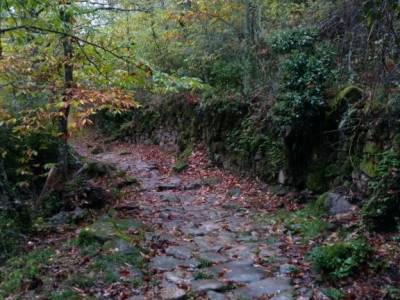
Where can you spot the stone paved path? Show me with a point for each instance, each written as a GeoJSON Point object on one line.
{"type": "Point", "coordinates": [207, 247]}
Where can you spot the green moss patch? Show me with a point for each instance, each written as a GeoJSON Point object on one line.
{"type": "Point", "coordinates": [307, 222]}
{"type": "Point", "coordinates": [182, 160]}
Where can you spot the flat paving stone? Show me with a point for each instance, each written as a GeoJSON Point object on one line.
{"type": "Point", "coordinates": [208, 227]}
{"type": "Point", "coordinates": [172, 293]}
{"type": "Point", "coordinates": [193, 223]}
{"type": "Point", "coordinates": [191, 230]}
{"type": "Point", "coordinates": [241, 252]}
{"type": "Point", "coordinates": [214, 257]}
{"type": "Point", "coordinates": [284, 296]}
{"type": "Point", "coordinates": [237, 272]}
{"type": "Point", "coordinates": [179, 252]}
{"type": "Point", "coordinates": [244, 274]}
{"type": "Point", "coordinates": [169, 197]}
{"type": "Point", "coordinates": [179, 277]}
{"type": "Point", "coordinates": [272, 286]}
{"type": "Point", "coordinates": [208, 243]}
{"type": "Point", "coordinates": [215, 296]}
{"type": "Point", "coordinates": [165, 263]}
{"type": "Point", "coordinates": [199, 286]}
{"type": "Point", "coordinates": [167, 186]}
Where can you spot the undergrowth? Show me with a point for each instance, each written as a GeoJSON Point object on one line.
{"type": "Point", "coordinates": [307, 222]}
{"type": "Point", "coordinates": [23, 271]}
{"type": "Point", "coordinates": [341, 259]}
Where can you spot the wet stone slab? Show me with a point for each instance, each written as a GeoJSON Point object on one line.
{"type": "Point", "coordinates": [238, 272]}
{"type": "Point", "coordinates": [241, 252]}
{"type": "Point", "coordinates": [179, 252]}
{"type": "Point", "coordinates": [213, 257]}
{"type": "Point", "coordinates": [216, 296]}
{"type": "Point", "coordinates": [199, 286]}
{"type": "Point", "coordinates": [168, 197]}
{"type": "Point", "coordinates": [266, 287]}
{"type": "Point", "coordinates": [179, 277]}
{"type": "Point", "coordinates": [172, 293]}
{"type": "Point", "coordinates": [167, 263]}
{"type": "Point", "coordinates": [208, 243]}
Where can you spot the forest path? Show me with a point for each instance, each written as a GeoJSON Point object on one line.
{"type": "Point", "coordinates": [204, 240]}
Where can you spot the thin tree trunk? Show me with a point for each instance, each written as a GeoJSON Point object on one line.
{"type": "Point", "coordinates": [250, 31]}
{"type": "Point", "coordinates": [5, 189]}
{"type": "Point", "coordinates": [66, 18]}
{"type": "Point", "coordinates": [1, 46]}
{"type": "Point", "coordinates": [57, 175]}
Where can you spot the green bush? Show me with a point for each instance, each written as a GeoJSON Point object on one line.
{"type": "Point", "coordinates": [288, 40]}
{"type": "Point", "coordinates": [301, 102]}
{"type": "Point", "coordinates": [382, 210]}
{"type": "Point", "coordinates": [227, 74]}
{"type": "Point", "coordinates": [28, 155]}
{"type": "Point", "coordinates": [340, 260]}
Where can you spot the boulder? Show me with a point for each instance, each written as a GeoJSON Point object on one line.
{"type": "Point", "coordinates": [79, 215]}
{"type": "Point", "coordinates": [337, 204]}
{"type": "Point", "coordinates": [61, 218]}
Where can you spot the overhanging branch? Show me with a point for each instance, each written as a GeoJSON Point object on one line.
{"type": "Point", "coordinates": [33, 28]}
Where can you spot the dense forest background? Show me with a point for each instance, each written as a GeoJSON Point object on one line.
{"type": "Point", "coordinates": [302, 95]}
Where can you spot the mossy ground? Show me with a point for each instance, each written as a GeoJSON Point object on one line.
{"type": "Point", "coordinates": [76, 266]}
{"type": "Point", "coordinates": [308, 222]}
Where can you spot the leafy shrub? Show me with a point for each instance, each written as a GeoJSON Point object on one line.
{"type": "Point", "coordinates": [382, 211]}
{"type": "Point", "coordinates": [288, 40]}
{"type": "Point", "coordinates": [249, 140]}
{"type": "Point", "coordinates": [301, 102]}
{"type": "Point", "coordinates": [27, 154]}
{"type": "Point", "coordinates": [340, 260]}
{"type": "Point", "coordinates": [225, 73]}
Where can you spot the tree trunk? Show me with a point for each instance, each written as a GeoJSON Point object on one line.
{"type": "Point", "coordinates": [251, 31]}
{"type": "Point", "coordinates": [66, 18]}
{"type": "Point", "coordinates": [57, 175]}
{"type": "Point", "coordinates": [1, 47]}
{"type": "Point", "coordinates": [5, 189]}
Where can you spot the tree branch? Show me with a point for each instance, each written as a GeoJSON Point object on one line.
{"type": "Point", "coordinates": [102, 6]}
{"type": "Point", "coordinates": [4, 30]}
{"type": "Point", "coordinates": [76, 38]}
